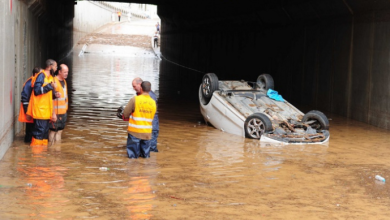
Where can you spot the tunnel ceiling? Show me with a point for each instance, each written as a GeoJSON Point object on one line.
{"type": "Point", "coordinates": [190, 14]}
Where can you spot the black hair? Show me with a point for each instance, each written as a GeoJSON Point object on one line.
{"type": "Point", "coordinates": [58, 69]}
{"type": "Point", "coordinates": [146, 86]}
{"type": "Point", "coordinates": [36, 70]}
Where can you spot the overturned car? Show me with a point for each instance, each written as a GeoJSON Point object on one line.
{"type": "Point", "coordinates": [249, 109]}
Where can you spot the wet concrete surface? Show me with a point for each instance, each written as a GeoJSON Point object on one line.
{"type": "Point", "coordinates": [199, 173]}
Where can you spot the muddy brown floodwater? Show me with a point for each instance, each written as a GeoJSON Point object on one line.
{"type": "Point", "coordinates": [199, 173]}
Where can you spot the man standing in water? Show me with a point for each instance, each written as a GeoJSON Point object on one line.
{"type": "Point", "coordinates": [155, 130]}
{"type": "Point", "coordinates": [60, 104]}
{"type": "Point", "coordinates": [41, 108]}
{"type": "Point", "coordinates": [140, 111]}
{"type": "Point", "coordinates": [26, 94]}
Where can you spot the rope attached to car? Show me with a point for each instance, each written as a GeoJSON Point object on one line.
{"type": "Point", "coordinates": [182, 65]}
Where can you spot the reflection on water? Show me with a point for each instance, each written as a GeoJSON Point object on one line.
{"type": "Point", "coordinates": [138, 198]}
{"type": "Point", "coordinates": [199, 172]}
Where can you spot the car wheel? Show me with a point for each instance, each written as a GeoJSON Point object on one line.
{"type": "Point", "coordinates": [265, 81]}
{"type": "Point", "coordinates": [256, 124]}
{"type": "Point", "coordinates": [209, 85]}
{"type": "Point", "coordinates": [318, 120]}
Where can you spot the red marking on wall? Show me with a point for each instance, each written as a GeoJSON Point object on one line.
{"type": "Point", "coordinates": [10, 5]}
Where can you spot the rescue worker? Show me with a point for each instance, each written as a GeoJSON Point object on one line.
{"type": "Point", "coordinates": [119, 16]}
{"type": "Point", "coordinates": [140, 111]}
{"type": "Point", "coordinates": [41, 103]}
{"type": "Point", "coordinates": [60, 105]}
{"type": "Point", "coordinates": [155, 130]}
{"type": "Point", "coordinates": [25, 99]}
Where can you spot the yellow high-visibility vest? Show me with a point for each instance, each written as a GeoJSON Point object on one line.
{"type": "Point", "coordinates": [41, 106]}
{"type": "Point", "coordinates": [141, 119]}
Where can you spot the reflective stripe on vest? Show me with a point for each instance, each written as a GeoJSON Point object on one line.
{"type": "Point", "coordinates": [61, 104]}
{"type": "Point", "coordinates": [140, 120]}
{"type": "Point", "coordinates": [42, 105]}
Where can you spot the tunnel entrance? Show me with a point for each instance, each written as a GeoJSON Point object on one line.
{"type": "Point", "coordinates": [201, 172]}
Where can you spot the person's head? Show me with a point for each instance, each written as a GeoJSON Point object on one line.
{"type": "Point", "coordinates": [63, 71]}
{"type": "Point", "coordinates": [137, 85]}
{"type": "Point", "coordinates": [51, 65]}
{"type": "Point", "coordinates": [36, 70]}
{"type": "Point", "coordinates": [146, 86]}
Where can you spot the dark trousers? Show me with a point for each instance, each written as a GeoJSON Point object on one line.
{"type": "Point", "coordinates": [153, 141]}
{"type": "Point", "coordinates": [155, 42]}
{"type": "Point", "coordinates": [137, 147]}
{"type": "Point", "coordinates": [41, 129]}
{"type": "Point", "coordinates": [29, 130]}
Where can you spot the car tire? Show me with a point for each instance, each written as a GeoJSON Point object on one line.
{"type": "Point", "coordinates": [322, 122]}
{"type": "Point", "coordinates": [256, 125]}
{"type": "Point", "coordinates": [209, 85]}
{"type": "Point", "coordinates": [265, 81]}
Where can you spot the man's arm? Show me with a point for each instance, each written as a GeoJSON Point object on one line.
{"type": "Point", "coordinates": [38, 89]}
{"type": "Point", "coordinates": [26, 93]}
{"type": "Point", "coordinates": [130, 107]}
{"type": "Point", "coordinates": [153, 96]}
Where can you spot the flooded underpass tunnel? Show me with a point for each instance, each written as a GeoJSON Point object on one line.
{"type": "Point", "coordinates": [331, 57]}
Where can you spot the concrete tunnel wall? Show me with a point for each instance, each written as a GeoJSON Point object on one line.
{"type": "Point", "coordinates": [31, 31]}
{"type": "Point", "coordinates": [337, 64]}
{"type": "Point", "coordinates": [19, 41]}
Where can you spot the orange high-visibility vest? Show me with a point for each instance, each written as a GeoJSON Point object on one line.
{"type": "Point", "coordinates": [60, 105]}
{"type": "Point", "coordinates": [23, 116]}
{"type": "Point", "coordinates": [31, 77]}
{"type": "Point", "coordinates": [140, 120]}
{"type": "Point", "coordinates": [41, 106]}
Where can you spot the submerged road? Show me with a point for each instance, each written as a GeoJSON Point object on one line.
{"type": "Point", "coordinates": [199, 173]}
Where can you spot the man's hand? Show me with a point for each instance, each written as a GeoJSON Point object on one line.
{"type": "Point", "coordinates": [54, 117]}
{"type": "Point", "coordinates": [58, 94]}
{"type": "Point", "coordinates": [54, 85]}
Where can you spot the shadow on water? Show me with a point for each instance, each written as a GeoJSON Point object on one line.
{"type": "Point", "coordinates": [199, 172]}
